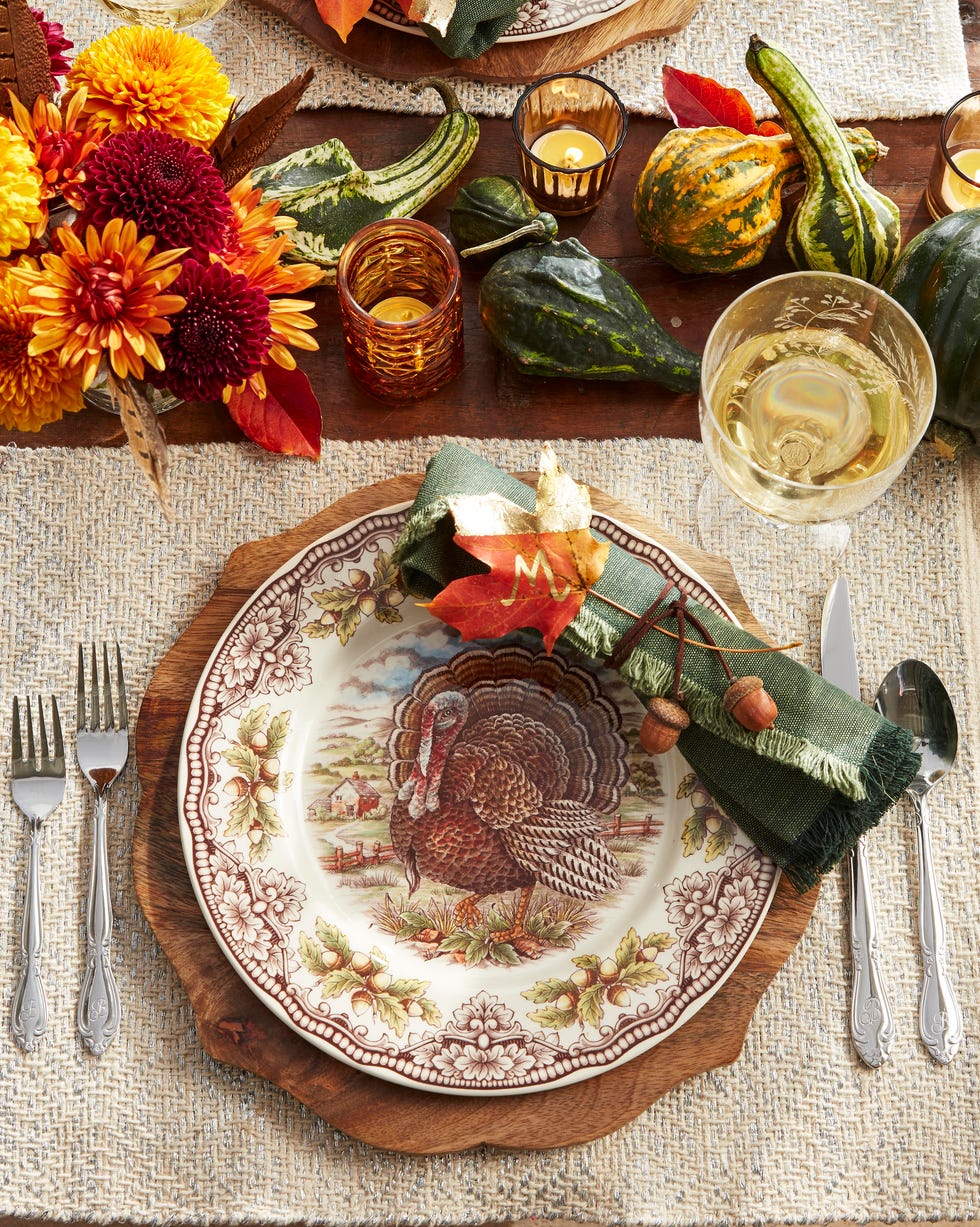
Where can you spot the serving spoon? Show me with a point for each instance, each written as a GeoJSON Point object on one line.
{"type": "Point", "coordinates": [913, 696]}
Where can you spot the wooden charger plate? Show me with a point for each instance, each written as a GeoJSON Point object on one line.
{"type": "Point", "coordinates": [401, 56]}
{"type": "Point", "coordinates": [236, 1028]}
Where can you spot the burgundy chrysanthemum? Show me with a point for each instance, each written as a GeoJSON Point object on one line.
{"type": "Point", "coordinates": [54, 36]}
{"type": "Point", "coordinates": [219, 338]}
{"type": "Point", "coordinates": [167, 186]}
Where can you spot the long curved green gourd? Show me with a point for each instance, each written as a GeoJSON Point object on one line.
{"type": "Point", "coordinates": [331, 197]}
{"type": "Point", "coordinates": [842, 224]}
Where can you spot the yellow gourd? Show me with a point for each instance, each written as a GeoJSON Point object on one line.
{"type": "Point", "coordinates": [709, 200]}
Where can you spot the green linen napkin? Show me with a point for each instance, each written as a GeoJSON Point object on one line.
{"type": "Point", "coordinates": [803, 791]}
{"type": "Point", "coordinates": [474, 26]}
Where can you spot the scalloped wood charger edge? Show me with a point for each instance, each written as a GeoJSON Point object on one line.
{"type": "Point", "coordinates": [237, 1029]}
{"type": "Point", "coordinates": [402, 56]}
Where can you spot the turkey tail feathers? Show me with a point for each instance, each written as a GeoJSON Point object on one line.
{"type": "Point", "coordinates": [561, 695]}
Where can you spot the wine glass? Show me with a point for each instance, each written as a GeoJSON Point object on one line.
{"type": "Point", "coordinates": [816, 388]}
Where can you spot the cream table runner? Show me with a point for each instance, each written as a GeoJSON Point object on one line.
{"type": "Point", "coordinates": [796, 1131]}
{"type": "Point", "coordinates": [868, 59]}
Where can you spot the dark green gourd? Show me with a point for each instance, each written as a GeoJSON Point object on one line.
{"type": "Point", "coordinates": [842, 224]}
{"type": "Point", "coordinates": [555, 309]}
{"type": "Point", "coordinates": [494, 213]}
{"type": "Point", "coordinates": [937, 280]}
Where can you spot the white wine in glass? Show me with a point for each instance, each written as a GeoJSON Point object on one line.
{"type": "Point", "coordinates": [815, 390]}
{"type": "Point", "coordinates": [177, 14]}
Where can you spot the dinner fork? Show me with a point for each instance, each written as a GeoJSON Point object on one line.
{"type": "Point", "coordinates": [101, 747]}
{"type": "Point", "coordinates": [38, 787]}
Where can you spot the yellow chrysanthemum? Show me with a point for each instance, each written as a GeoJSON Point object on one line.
{"type": "Point", "coordinates": [21, 217]}
{"type": "Point", "coordinates": [152, 77]}
{"type": "Point", "coordinates": [103, 298]}
{"type": "Point", "coordinates": [34, 388]}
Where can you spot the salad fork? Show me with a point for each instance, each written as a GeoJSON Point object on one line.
{"type": "Point", "coordinates": [101, 747]}
{"type": "Point", "coordinates": [38, 787]}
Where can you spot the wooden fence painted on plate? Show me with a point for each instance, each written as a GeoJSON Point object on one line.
{"type": "Point", "coordinates": [341, 861]}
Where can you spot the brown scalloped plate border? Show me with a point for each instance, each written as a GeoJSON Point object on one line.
{"type": "Point", "coordinates": [235, 1028]}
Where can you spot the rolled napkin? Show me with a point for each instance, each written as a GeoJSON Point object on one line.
{"type": "Point", "coordinates": [474, 27]}
{"type": "Point", "coordinates": [804, 791]}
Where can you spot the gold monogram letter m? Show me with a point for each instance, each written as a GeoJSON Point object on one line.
{"type": "Point", "coordinates": [539, 563]}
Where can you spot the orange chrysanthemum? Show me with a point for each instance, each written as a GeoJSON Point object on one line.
{"type": "Point", "coordinates": [103, 298]}
{"type": "Point", "coordinates": [21, 215]}
{"type": "Point", "coordinates": [288, 323]}
{"type": "Point", "coordinates": [151, 77]}
{"type": "Point", "coordinates": [255, 223]}
{"type": "Point", "coordinates": [60, 145]}
{"type": "Point", "coordinates": [34, 388]}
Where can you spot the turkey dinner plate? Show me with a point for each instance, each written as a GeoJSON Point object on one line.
{"type": "Point", "coordinates": [451, 864]}
{"type": "Point", "coordinates": [536, 18]}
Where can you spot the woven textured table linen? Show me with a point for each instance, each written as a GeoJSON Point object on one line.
{"type": "Point", "coordinates": [868, 60]}
{"type": "Point", "coordinates": [155, 1131]}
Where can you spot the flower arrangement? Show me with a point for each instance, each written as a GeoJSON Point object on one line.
{"type": "Point", "coordinates": [135, 255]}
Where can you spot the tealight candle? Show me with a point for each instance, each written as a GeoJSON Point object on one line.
{"type": "Point", "coordinates": [954, 181]}
{"type": "Point", "coordinates": [569, 149]}
{"type": "Point", "coordinates": [956, 192]}
{"type": "Point", "coordinates": [400, 309]}
{"type": "Point", "coordinates": [569, 129]}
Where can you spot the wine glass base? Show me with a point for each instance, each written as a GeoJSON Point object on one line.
{"type": "Point", "coordinates": [783, 570]}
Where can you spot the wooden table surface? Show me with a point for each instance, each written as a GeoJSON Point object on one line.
{"type": "Point", "coordinates": [489, 398]}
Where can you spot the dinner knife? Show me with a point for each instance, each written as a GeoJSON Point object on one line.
{"type": "Point", "coordinates": [872, 1020]}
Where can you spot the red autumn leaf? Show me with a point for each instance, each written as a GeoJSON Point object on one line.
{"type": "Point", "coordinates": [696, 102]}
{"type": "Point", "coordinates": [342, 15]}
{"type": "Point", "coordinates": [288, 420]}
{"type": "Point", "coordinates": [535, 580]}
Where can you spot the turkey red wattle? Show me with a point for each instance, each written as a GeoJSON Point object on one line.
{"type": "Point", "coordinates": [442, 719]}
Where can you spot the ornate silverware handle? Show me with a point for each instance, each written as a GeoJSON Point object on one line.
{"type": "Point", "coordinates": [940, 1019]}
{"type": "Point", "coordinates": [29, 1008]}
{"type": "Point", "coordinates": [98, 1005]}
{"type": "Point", "coordinates": [872, 1021]}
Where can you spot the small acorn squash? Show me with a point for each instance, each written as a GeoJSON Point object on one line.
{"type": "Point", "coordinates": [557, 310]}
{"type": "Point", "coordinates": [937, 280]}
{"type": "Point", "coordinates": [709, 200]}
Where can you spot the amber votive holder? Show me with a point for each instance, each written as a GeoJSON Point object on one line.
{"type": "Point", "coordinates": [954, 181]}
{"type": "Point", "coordinates": [409, 356]}
{"type": "Point", "coordinates": [569, 129]}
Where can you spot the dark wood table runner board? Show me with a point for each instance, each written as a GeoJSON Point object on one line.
{"type": "Point", "coordinates": [489, 398]}
{"type": "Point", "coordinates": [237, 1029]}
{"type": "Point", "coordinates": [402, 56]}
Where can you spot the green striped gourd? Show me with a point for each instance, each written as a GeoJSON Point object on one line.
{"type": "Point", "coordinates": [709, 200]}
{"type": "Point", "coordinates": [331, 197]}
{"type": "Point", "coordinates": [842, 224]}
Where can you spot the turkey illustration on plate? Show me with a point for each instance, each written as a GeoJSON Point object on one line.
{"type": "Point", "coordinates": [450, 863]}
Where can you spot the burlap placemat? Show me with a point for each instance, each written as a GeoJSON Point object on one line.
{"type": "Point", "coordinates": [867, 59]}
{"type": "Point", "coordinates": [155, 1131]}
